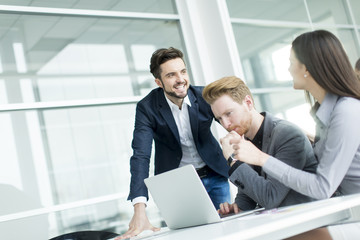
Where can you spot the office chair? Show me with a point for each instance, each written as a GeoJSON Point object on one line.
{"type": "Point", "coordinates": [86, 235]}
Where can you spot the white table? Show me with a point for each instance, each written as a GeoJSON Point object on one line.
{"type": "Point", "coordinates": [274, 224]}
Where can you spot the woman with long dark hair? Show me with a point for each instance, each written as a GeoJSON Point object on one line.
{"type": "Point", "coordinates": [320, 66]}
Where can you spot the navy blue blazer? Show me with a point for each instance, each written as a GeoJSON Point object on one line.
{"type": "Point", "coordinates": [154, 121]}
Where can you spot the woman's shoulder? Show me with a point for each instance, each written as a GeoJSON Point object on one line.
{"type": "Point", "coordinates": [347, 107]}
{"type": "Point", "coordinates": [348, 104]}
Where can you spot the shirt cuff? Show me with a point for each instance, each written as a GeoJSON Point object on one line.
{"type": "Point", "coordinates": [140, 199]}
{"type": "Point", "coordinates": [234, 166]}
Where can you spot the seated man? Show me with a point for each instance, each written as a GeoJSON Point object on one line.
{"type": "Point", "coordinates": [233, 106]}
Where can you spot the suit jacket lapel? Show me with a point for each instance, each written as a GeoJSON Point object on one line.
{"type": "Point", "coordinates": [268, 126]}
{"type": "Point", "coordinates": [166, 113]}
{"type": "Point", "coordinates": [193, 115]}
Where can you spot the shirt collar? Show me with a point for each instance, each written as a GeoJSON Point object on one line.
{"type": "Point", "coordinates": [173, 105]}
{"type": "Point", "coordinates": [326, 108]}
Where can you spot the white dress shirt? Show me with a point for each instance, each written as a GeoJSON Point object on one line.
{"type": "Point", "coordinates": [190, 154]}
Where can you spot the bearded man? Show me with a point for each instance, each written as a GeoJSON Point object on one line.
{"type": "Point", "coordinates": [233, 106]}
{"type": "Point", "coordinates": [178, 120]}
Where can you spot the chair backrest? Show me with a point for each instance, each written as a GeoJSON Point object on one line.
{"type": "Point", "coordinates": [86, 235]}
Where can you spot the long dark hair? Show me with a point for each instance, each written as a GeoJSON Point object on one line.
{"type": "Point", "coordinates": [357, 65]}
{"type": "Point", "coordinates": [325, 59]}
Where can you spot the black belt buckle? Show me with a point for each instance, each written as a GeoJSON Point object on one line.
{"type": "Point", "coordinates": [203, 172]}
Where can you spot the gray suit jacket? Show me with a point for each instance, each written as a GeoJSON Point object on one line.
{"type": "Point", "coordinates": [286, 142]}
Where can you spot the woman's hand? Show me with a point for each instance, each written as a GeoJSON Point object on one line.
{"type": "Point", "coordinates": [245, 151]}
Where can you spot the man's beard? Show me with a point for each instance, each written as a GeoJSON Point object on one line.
{"type": "Point", "coordinates": [243, 128]}
{"type": "Point", "coordinates": [173, 94]}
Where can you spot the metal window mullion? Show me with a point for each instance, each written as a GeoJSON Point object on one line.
{"type": "Point", "coordinates": [84, 13]}
{"type": "Point", "coordinates": [67, 104]}
{"type": "Point", "coordinates": [61, 207]}
{"type": "Point", "coordinates": [270, 23]}
{"type": "Point", "coordinates": [267, 23]}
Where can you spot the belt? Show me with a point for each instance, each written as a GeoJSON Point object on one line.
{"type": "Point", "coordinates": [204, 171]}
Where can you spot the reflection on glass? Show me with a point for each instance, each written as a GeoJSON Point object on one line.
{"type": "Point", "coordinates": [278, 10]}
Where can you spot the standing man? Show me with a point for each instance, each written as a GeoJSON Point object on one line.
{"type": "Point", "coordinates": [178, 119]}
{"type": "Point", "coordinates": [233, 106]}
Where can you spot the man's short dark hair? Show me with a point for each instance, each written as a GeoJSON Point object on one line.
{"type": "Point", "coordinates": [161, 56]}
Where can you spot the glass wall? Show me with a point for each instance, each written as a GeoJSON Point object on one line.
{"type": "Point", "coordinates": [264, 31]}
{"type": "Point", "coordinates": [69, 85]}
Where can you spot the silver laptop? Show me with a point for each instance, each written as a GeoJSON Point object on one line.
{"type": "Point", "coordinates": [182, 199]}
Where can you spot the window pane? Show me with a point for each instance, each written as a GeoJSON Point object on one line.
{"type": "Point", "coordinates": [151, 6]}
{"type": "Point", "coordinates": [289, 105]}
{"type": "Point", "coordinates": [57, 157]}
{"type": "Point", "coordinates": [9, 170]}
{"type": "Point", "coordinates": [83, 58]}
{"type": "Point", "coordinates": [355, 7]}
{"type": "Point", "coordinates": [278, 10]}
{"type": "Point", "coordinates": [331, 12]}
{"type": "Point", "coordinates": [264, 53]}
{"type": "Point", "coordinates": [94, 144]}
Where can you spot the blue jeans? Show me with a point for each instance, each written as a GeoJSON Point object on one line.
{"type": "Point", "coordinates": [217, 187]}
